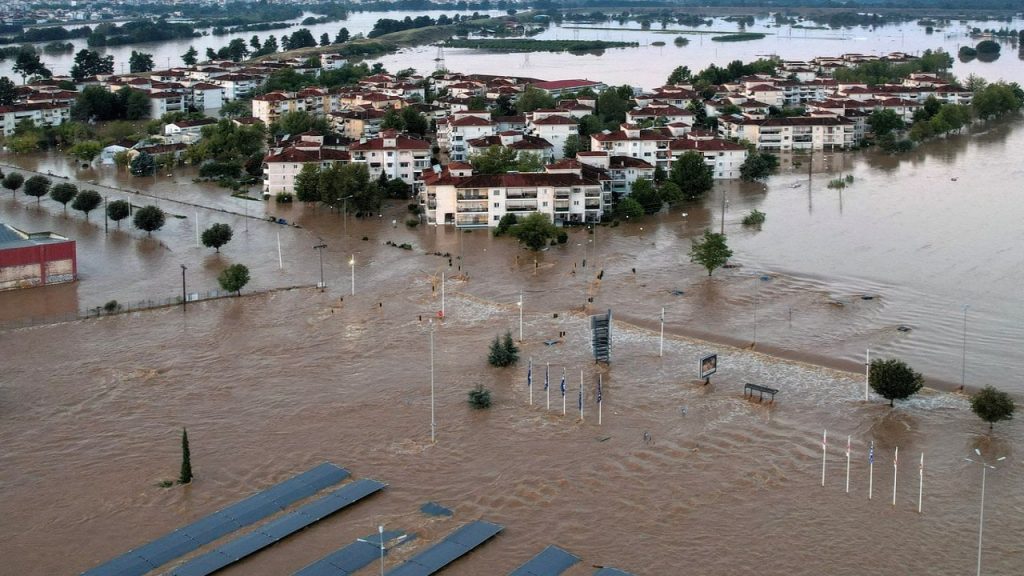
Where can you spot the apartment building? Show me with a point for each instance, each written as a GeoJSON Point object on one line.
{"type": "Point", "coordinates": [282, 165]}
{"type": "Point", "coordinates": [394, 155]}
{"type": "Point", "coordinates": [454, 132]}
{"type": "Point", "coordinates": [788, 134]}
{"type": "Point", "coordinates": [40, 113]}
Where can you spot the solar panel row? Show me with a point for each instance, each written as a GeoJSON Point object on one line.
{"type": "Point", "coordinates": [243, 513]}
{"type": "Point", "coordinates": [611, 572]}
{"type": "Point", "coordinates": [552, 561]}
{"type": "Point", "coordinates": [347, 560]}
{"type": "Point", "coordinates": [445, 552]}
{"type": "Point", "coordinates": [277, 529]}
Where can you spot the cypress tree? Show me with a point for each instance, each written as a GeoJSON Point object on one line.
{"type": "Point", "coordinates": [186, 461]}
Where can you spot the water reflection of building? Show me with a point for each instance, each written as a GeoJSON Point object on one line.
{"type": "Point", "coordinates": [29, 259]}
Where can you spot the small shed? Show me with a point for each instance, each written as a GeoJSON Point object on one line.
{"type": "Point", "coordinates": [29, 259]}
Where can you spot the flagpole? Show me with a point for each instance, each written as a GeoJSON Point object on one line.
{"type": "Point", "coordinates": [529, 380]}
{"type": "Point", "coordinates": [824, 443]}
{"type": "Point", "coordinates": [280, 260]}
{"type": "Point", "coordinates": [562, 386]}
{"type": "Point", "coordinates": [847, 464]}
{"type": "Point", "coordinates": [661, 346]}
{"type": "Point", "coordinates": [581, 394]}
{"type": "Point", "coordinates": [547, 387]}
{"type": "Point", "coordinates": [600, 400]}
{"type": "Point", "coordinates": [871, 469]}
{"type": "Point", "coordinates": [442, 297]}
{"type": "Point", "coordinates": [895, 463]}
{"type": "Point", "coordinates": [920, 486]}
{"type": "Point", "coordinates": [867, 373]}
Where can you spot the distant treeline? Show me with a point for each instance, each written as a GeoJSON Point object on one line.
{"type": "Point", "coordinates": [528, 45]}
{"type": "Point", "coordinates": [739, 37]}
{"type": "Point", "coordinates": [139, 31]}
{"type": "Point", "coordinates": [49, 34]}
{"type": "Point", "coordinates": [258, 27]}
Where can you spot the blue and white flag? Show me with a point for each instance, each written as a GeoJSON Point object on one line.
{"type": "Point", "coordinates": [598, 388]}
{"type": "Point", "coordinates": [871, 453]}
{"type": "Point", "coordinates": [581, 398]}
{"type": "Point", "coordinates": [563, 383]}
{"type": "Point", "coordinates": [529, 375]}
{"type": "Point", "coordinates": [546, 378]}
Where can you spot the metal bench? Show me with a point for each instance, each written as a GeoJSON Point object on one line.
{"type": "Point", "coordinates": [749, 389]}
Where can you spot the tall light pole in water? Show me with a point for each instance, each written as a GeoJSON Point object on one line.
{"type": "Point", "coordinates": [963, 359]}
{"type": "Point", "coordinates": [352, 265]}
{"type": "Point", "coordinates": [184, 295]}
{"type": "Point", "coordinates": [520, 315]}
{"type": "Point", "coordinates": [725, 202]}
{"type": "Point", "coordinates": [981, 520]}
{"type": "Point", "coordinates": [433, 425]}
{"type": "Point", "coordinates": [320, 250]}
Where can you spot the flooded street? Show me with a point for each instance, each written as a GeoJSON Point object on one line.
{"type": "Point", "coordinates": [269, 385]}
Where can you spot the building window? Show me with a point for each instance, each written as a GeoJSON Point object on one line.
{"type": "Point", "coordinates": [496, 205]}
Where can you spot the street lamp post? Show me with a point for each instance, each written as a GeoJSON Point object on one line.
{"type": "Point", "coordinates": [963, 358]}
{"type": "Point", "coordinates": [433, 424]}
{"type": "Point", "coordinates": [520, 315]}
{"type": "Point", "coordinates": [352, 265]}
{"type": "Point", "coordinates": [184, 295]}
{"type": "Point", "coordinates": [320, 250]}
{"type": "Point", "coordinates": [725, 203]}
{"type": "Point", "coordinates": [380, 532]}
{"type": "Point", "coordinates": [981, 519]}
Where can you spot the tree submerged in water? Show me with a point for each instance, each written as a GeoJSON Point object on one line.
{"type": "Point", "coordinates": [894, 380]}
{"type": "Point", "coordinates": [504, 351]}
{"type": "Point", "coordinates": [185, 477]}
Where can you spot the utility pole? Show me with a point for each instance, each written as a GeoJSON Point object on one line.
{"type": "Point", "coordinates": [320, 249]}
{"type": "Point", "coordinates": [184, 294]}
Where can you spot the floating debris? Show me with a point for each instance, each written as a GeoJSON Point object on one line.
{"type": "Point", "coordinates": [902, 328]}
{"type": "Point", "coordinates": [435, 509]}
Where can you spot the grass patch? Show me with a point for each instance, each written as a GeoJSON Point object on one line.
{"type": "Point", "coordinates": [530, 45]}
{"type": "Point", "coordinates": [739, 37]}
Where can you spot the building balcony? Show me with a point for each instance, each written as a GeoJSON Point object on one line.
{"type": "Point", "coordinates": [521, 194]}
{"type": "Point", "coordinates": [592, 205]}
{"type": "Point", "coordinates": [471, 197]}
{"type": "Point", "coordinates": [520, 206]}
{"type": "Point", "coordinates": [561, 205]}
{"type": "Point", "coordinates": [462, 220]}
{"type": "Point", "coordinates": [471, 207]}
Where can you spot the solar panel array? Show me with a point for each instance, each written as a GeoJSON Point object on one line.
{"type": "Point", "coordinates": [189, 538]}
{"type": "Point", "coordinates": [351, 558]}
{"type": "Point", "coordinates": [278, 529]}
{"type": "Point", "coordinates": [454, 546]}
{"type": "Point", "coordinates": [552, 561]}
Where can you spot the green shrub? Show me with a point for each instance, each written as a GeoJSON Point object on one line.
{"type": "Point", "coordinates": [563, 236]}
{"type": "Point", "coordinates": [412, 222]}
{"type": "Point", "coordinates": [755, 218]}
{"type": "Point", "coordinates": [480, 397]}
{"type": "Point", "coordinates": [284, 197]}
{"type": "Point", "coordinates": [503, 351]}
{"type": "Point", "coordinates": [111, 306]}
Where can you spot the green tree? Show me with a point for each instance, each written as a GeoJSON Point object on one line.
{"type": "Point", "coordinates": [142, 165]}
{"type": "Point", "coordinates": [529, 162]}
{"type": "Point", "coordinates": [149, 218]}
{"type": "Point", "coordinates": [758, 165]}
{"type": "Point", "coordinates": [534, 98]}
{"type": "Point", "coordinates": [298, 122]}
{"type": "Point", "coordinates": [234, 278]}
{"type": "Point", "coordinates": [643, 192]}
{"type": "Point", "coordinates": [64, 192]}
{"type": "Point", "coordinates": [884, 121]}
{"type": "Point", "coordinates": [307, 184]}
{"type": "Point", "coordinates": [216, 236]}
{"type": "Point", "coordinates": [342, 36]}
{"type": "Point", "coordinates": [236, 109]}
{"type": "Point", "coordinates": [86, 201]}
{"type": "Point", "coordinates": [352, 181]}
{"type": "Point", "coordinates": [535, 231]}
{"type": "Point", "coordinates": [140, 62]}
{"type": "Point", "coordinates": [894, 380]}
{"type": "Point", "coordinates": [118, 210]}
{"type": "Point", "coordinates": [691, 174]}
{"type": "Point", "coordinates": [628, 208]}
{"type": "Point", "coordinates": [992, 405]}
{"type": "Point", "coordinates": [13, 181]}
{"type": "Point", "coordinates": [392, 120]}
{"type": "Point", "coordinates": [185, 476]}
{"type": "Point", "coordinates": [90, 63]}
{"type": "Point", "coordinates": [86, 150]}
{"type": "Point", "coordinates": [612, 105]}
{"type": "Point", "coordinates": [27, 64]}
{"type": "Point", "coordinates": [670, 193]}
{"type": "Point", "coordinates": [136, 103]}
{"type": "Point", "coordinates": [572, 146]}
{"type": "Point", "coordinates": [37, 187]}
{"type": "Point", "coordinates": [495, 160]}
{"type": "Point", "coordinates": [189, 58]}
{"type": "Point", "coordinates": [415, 122]}
{"type": "Point", "coordinates": [503, 352]}
{"type": "Point", "coordinates": [710, 251]}
{"type": "Point", "coordinates": [507, 222]}
{"type": "Point", "coordinates": [480, 397]}
{"type": "Point", "coordinates": [680, 75]}
{"type": "Point", "coordinates": [325, 39]}
{"type": "Point", "coordinates": [8, 91]}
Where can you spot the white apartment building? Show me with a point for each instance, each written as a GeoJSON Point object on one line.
{"type": "Point", "coordinates": [724, 157]}
{"type": "Point", "coordinates": [454, 131]}
{"type": "Point", "coordinates": [649, 145]}
{"type": "Point", "coordinates": [394, 155]}
{"type": "Point", "coordinates": [521, 143]}
{"type": "Point", "coordinates": [188, 131]}
{"type": "Point", "coordinates": [788, 134]}
{"type": "Point", "coordinates": [207, 96]}
{"type": "Point", "coordinates": [40, 113]}
{"type": "Point", "coordinates": [281, 166]}
{"type": "Point", "coordinates": [481, 200]}
{"type": "Point", "coordinates": [554, 129]}
{"type": "Point", "coordinates": [623, 170]}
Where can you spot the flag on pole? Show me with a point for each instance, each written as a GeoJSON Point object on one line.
{"type": "Point", "coordinates": [529, 375]}
{"type": "Point", "coordinates": [598, 388]}
{"type": "Point", "coordinates": [847, 446]}
{"type": "Point", "coordinates": [824, 440]}
{"type": "Point", "coordinates": [871, 453]}
{"type": "Point", "coordinates": [563, 383]}
{"type": "Point", "coordinates": [581, 397]}
{"type": "Point", "coordinates": [546, 378]}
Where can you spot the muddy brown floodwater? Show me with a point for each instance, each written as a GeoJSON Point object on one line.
{"type": "Point", "coordinates": [270, 385]}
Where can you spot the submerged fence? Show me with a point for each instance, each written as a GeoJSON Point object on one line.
{"type": "Point", "coordinates": [114, 307]}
